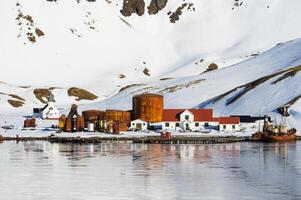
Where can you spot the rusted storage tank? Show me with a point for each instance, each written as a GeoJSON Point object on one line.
{"type": "Point", "coordinates": [148, 107]}
{"type": "Point", "coordinates": [117, 115]}
{"type": "Point", "coordinates": [30, 123]}
{"type": "Point", "coordinates": [68, 125]}
{"type": "Point", "coordinates": [92, 115]}
{"type": "Point", "coordinates": [123, 118]}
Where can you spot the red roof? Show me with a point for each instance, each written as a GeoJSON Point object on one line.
{"type": "Point", "coordinates": [172, 115]}
{"type": "Point", "coordinates": [229, 120]}
{"type": "Point", "coordinates": [215, 119]}
{"type": "Point", "coordinates": [200, 115]}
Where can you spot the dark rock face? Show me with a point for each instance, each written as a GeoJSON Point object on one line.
{"type": "Point", "coordinates": [175, 16]}
{"type": "Point", "coordinates": [133, 6]}
{"type": "Point", "coordinates": [155, 6]}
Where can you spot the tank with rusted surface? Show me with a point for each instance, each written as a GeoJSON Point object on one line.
{"type": "Point", "coordinates": [117, 115]}
{"type": "Point", "coordinates": [123, 118]}
{"type": "Point", "coordinates": [30, 123]}
{"type": "Point", "coordinates": [116, 127]}
{"type": "Point", "coordinates": [93, 116]}
{"type": "Point", "coordinates": [148, 107]}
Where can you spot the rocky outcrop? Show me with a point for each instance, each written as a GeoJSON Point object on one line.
{"type": "Point", "coordinates": [175, 16]}
{"type": "Point", "coordinates": [81, 94]}
{"type": "Point", "coordinates": [155, 6]}
{"type": "Point", "coordinates": [133, 6]}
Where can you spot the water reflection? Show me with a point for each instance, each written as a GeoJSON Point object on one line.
{"type": "Point", "coordinates": [139, 171]}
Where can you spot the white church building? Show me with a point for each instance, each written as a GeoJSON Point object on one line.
{"type": "Point", "coordinates": [49, 111]}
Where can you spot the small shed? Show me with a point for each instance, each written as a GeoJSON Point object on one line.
{"type": "Point", "coordinates": [139, 124]}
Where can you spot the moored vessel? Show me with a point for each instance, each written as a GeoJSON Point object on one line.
{"type": "Point", "coordinates": [275, 132]}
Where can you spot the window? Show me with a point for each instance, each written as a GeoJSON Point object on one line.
{"type": "Point", "coordinates": [167, 124]}
{"type": "Point", "coordinates": [177, 124]}
{"type": "Point", "coordinates": [187, 117]}
{"type": "Point", "coordinates": [206, 124]}
{"type": "Point", "coordinates": [197, 124]}
{"type": "Point", "coordinates": [224, 126]}
{"type": "Point", "coordinates": [233, 127]}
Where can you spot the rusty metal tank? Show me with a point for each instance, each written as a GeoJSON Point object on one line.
{"type": "Point", "coordinates": [148, 107]}
{"type": "Point", "coordinates": [117, 115]}
{"type": "Point", "coordinates": [92, 115]}
{"type": "Point", "coordinates": [123, 118]}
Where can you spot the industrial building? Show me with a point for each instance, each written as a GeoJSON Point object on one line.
{"type": "Point", "coordinates": [147, 113]}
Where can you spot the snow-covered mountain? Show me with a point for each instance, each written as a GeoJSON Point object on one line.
{"type": "Point", "coordinates": [114, 49]}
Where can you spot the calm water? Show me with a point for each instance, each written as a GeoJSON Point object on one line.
{"type": "Point", "coordinates": [40, 170]}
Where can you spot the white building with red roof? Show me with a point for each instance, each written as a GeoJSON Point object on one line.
{"type": "Point", "coordinates": [188, 119]}
{"type": "Point", "coordinates": [229, 123]}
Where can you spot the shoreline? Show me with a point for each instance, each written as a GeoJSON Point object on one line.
{"type": "Point", "coordinates": [136, 140]}
{"type": "Point", "coordinates": [142, 139]}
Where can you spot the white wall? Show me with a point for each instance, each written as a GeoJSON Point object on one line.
{"type": "Point", "coordinates": [189, 114]}
{"type": "Point", "coordinates": [192, 125]}
{"type": "Point", "coordinates": [228, 127]}
{"type": "Point", "coordinates": [172, 126]}
{"type": "Point", "coordinates": [50, 112]}
{"type": "Point", "coordinates": [137, 122]}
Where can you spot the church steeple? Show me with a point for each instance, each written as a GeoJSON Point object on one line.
{"type": "Point", "coordinates": [51, 97]}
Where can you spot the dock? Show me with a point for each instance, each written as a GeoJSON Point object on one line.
{"type": "Point", "coordinates": [139, 140]}
{"type": "Point", "coordinates": [150, 140]}
{"type": "Point", "coordinates": [190, 140]}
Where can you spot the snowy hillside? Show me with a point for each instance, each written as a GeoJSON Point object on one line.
{"type": "Point", "coordinates": [164, 46]}
{"type": "Point", "coordinates": [257, 86]}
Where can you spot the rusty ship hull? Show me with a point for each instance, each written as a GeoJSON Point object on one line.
{"type": "Point", "coordinates": [259, 136]}
{"type": "Point", "coordinates": [279, 138]}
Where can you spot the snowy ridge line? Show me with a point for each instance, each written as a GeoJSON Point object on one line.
{"type": "Point", "coordinates": [252, 85]}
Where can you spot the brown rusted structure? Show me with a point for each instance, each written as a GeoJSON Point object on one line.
{"type": "Point", "coordinates": [74, 122]}
{"type": "Point", "coordinates": [113, 127]}
{"type": "Point", "coordinates": [30, 123]}
{"type": "Point", "coordinates": [275, 132]}
{"type": "Point", "coordinates": [93, 116]}
{"type": "Point", "coordinates": [119, 117]}
{"type": "Point", "coordinates": [68, 125]}
{"type": "Point", "coordinates": [166, 136]}
{"type": "Point", "coordinates": [148, 107]}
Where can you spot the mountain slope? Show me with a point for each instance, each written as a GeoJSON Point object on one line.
{"type": "Point", "coordinates": [149, 45]}
{"type": "Point", "coordinates": [256, 86]}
